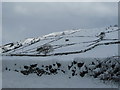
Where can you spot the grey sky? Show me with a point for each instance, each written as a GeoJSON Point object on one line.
{"type": "Point", "coordinates": [24, 20]}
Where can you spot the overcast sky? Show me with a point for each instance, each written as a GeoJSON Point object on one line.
{"type": "Point", "coordinates": [24, 20]}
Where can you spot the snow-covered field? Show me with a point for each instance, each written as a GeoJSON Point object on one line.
{"type": "Point", "coordinates": [67, 42]}
{"type": "Point", "coordinates": [68, 59]}
{"type": "Point", "coordinates": [16, 80]}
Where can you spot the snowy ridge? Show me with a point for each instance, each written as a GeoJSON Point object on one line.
{"type": "Point", "coordinates": [63, 43]}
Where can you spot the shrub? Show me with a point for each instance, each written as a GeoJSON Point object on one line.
{"type": "Point", "coordinates": [45, 49]}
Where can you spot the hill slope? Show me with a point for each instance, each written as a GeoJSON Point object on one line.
{"type": "Point", "coordinates": [62, 60]}
{"type": "Point", "coordinates": [68, 42]}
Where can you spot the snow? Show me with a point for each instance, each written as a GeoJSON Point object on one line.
{"type": "Point", "coordinates": [16, 80]}
{"type": "Point", "coordinates": [79, 39]}
{"type": "Point", "coordinates": [27, 41]}
{"type": "Point", "coordinates": [12, 79]}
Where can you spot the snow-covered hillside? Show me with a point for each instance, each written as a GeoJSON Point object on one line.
{"type": "Point", "coordinates": [88, 41]}
{"type": "Point", "coordinates": [82, 58]}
